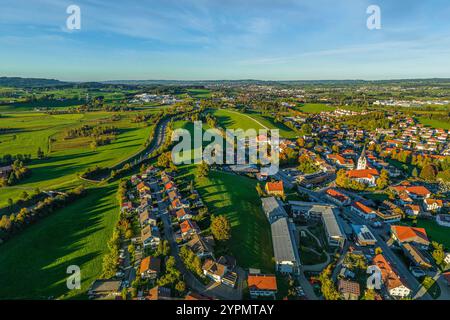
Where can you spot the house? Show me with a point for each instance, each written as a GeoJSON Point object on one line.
{"type": "Point", "coordinates": [214, 270]}
{"type": "Point", "coordinates": [228, 261]}
{"type": "Point", "coordinates": [189, 228]}
{"type": "Point", "coordinates": [416, 257]}
{"type": "Point", "coordinates": [415, 192]}
{"type": "Point", "coordinates": [433, 204]}
{"type": "Point", "coordinates": [195, 296]}
{"type": "Point", "coordinates": [443, 220]}
{"type": "Point", "coordinates": [202, 246]}
{"type": "Point", "coordinates": [104, 287]}
{"type": "Point", "coordinates": [150, 268]}
{"type": "Point", "coordinates": [183, 214]}
{"type": "Point", "coordinates": [150, 236]}
{"type": "Point", "coordinates": [275, 188]}
{"type": "Point", "coordinates": [5, 171]}
{"type": "Point", "coordinates": [394, 285]}
{"type": "Point", "coordinates": [447, 258]}
{"type": "Point", "coordinates": [127, 206]}
{"type": "Point", "coordinates": [337, 197]}
{"type": "Point", "coordinates": [230, 278]}
{"type": "Point", "coordinates": [363, 210]}
{"type": "Point", "coordinates": [158, 293]}
{"type": "Point", "coordinates": [349, 290]}
{"type": "Point", "coordinates": [147, 218]}
{"type": "Point", "coordinates": [143, 187]}
{"type": "Point", "coordinates": [262, 285]}
{"type": "Point", "coordinates": [412, 209]}
{"type": "Point", "coordinates": [405, 234]}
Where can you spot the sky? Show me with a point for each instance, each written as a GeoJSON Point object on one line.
{"type": "Point", "coordinates": [225, 39]}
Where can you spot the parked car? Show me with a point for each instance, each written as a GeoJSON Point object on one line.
{"type": "Point", "coordinates": [417, 272]}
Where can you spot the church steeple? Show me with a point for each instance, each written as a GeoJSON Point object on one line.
{"type": "Point", "coordinates": [362, 161]}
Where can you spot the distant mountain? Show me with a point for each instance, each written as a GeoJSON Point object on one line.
{"type": "Point", "coordinates": [30, 82]}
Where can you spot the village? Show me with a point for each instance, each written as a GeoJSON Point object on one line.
{"type": "Point", "coordinates": [348, 207]}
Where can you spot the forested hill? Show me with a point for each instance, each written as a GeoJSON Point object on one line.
{"type": "Point", "coordinates": [17, 82]}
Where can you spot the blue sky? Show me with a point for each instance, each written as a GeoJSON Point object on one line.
{"type": "Point", "coordinates": [226, 39]}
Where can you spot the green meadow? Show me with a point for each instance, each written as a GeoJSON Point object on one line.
{"type": "Point", "coordinates": [434, 123]}
{"type": "Point", "coordinates": [33, 264]}
{"type": "Point", "coordinates": [236, 197]}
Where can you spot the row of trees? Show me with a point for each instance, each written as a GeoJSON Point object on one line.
{"type": "Point", "coordinates": [7, 159]}
{"type": "Point", "coordinates": [16, 222]}
{"type": "Point", "coordinates": [18, 172]}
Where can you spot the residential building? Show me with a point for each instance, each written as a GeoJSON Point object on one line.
{"type": "Point", "coordinates": [405, 234]}
{"type": "Point", "coordinates": [150, 236]}
{"type": "Point", "coordinates": [337, 197]}
{"type": "Point", "coordinates": [202, 246]}
{"type": "Point", "coordinates": [433, 204]}
{"type": "Point", "coordinates": [363, 210]}
{"type": "Point", "coordinates": [104, 287]}
{"type": "Point", "coordinates": [189, 228]}
{"type": "Point", "coordinates": [416, 256]}
{"type": "Point", "coordinates": [275, 188]}
{"type": "Point", "coordinates": [349, 290]}
{"type": "Point", "coordinates": [262, 285]}
{"type": "Point", "coordinates": [214, 270]}
{"type": "Point", "coordinates": [150, 267]}
{"type": "Point", "coordinates": [393, 283]}
{"type": "Point", "coordinates": [158, 293]}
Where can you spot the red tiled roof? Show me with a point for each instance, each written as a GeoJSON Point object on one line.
{"type": "Point", "coordinates": [188, 225]}
{"type": "Point", "coordinates": [362, 207]}
{"type": "Point", "coordinates": [262, 282]}
{"type": "Point", "coordinates": [336, 194]}
{"type": "Point", "coordinates": [274, 186]}
{"type": "Point", "coordinates": [404, 233]}
{"type": "Point", "coordinates": [366, 173]}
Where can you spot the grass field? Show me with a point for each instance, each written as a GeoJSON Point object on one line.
{"type": "Point", "coordinates": [438, 124]}
{"type": "Point", "coordinates": [236, 198]}
{"type": "Point", "coordinates": [33, 264]}
{"type": "Point", "coordinates": [231, 119]}
{"type": "Point", "coordinates": [66, 158]}
{"type": "Point", "coordinates": [316, 108]}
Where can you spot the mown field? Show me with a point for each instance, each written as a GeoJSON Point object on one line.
{"type": "Point", "coordinates": [33, 264]}
{"type": "Point", "coordinates": [66, 158]}
{"type": "Point", "coordinates": [231, 119]}
{"type": "Point", "coordinates": [316, 108]}
{"type": "Point", "coordinates": [236, 198]}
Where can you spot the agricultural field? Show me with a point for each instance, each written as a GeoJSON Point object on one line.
{"type": "Point", "coordinates": [65, 158]}
{"type": "Point", "coordinates": [33, 264]}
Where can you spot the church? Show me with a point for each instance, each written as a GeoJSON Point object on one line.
{"type": "Point", "coordinates": [363, 173]}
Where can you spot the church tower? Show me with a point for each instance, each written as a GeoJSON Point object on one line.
{"type": "Point", "coordinates": [362, 161]}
